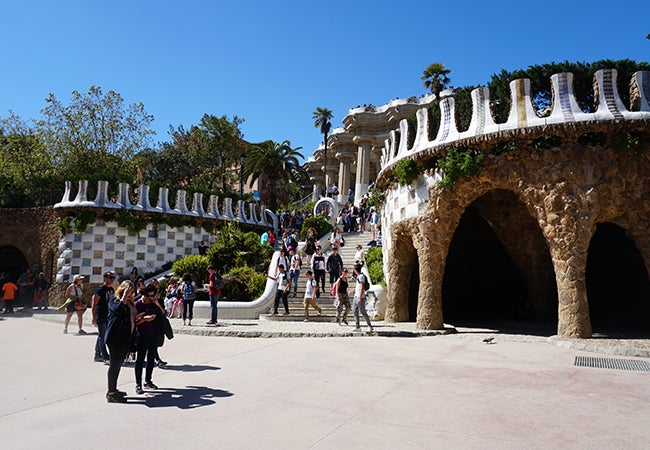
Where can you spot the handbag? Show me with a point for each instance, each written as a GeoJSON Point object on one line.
{"type": "Point", "coordinates": [79, 305]}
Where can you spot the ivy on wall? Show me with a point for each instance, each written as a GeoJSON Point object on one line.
{"type": "Point", "coordinates": [459, 163]}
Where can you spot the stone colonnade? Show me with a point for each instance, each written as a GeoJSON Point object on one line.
{"type": "Point", "coordinates": [553, 199]}
{"type": "Point", "coordinates": [354, 150]}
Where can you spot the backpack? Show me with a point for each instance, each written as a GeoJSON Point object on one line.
{"type": "Point", "coordinates": [219, 283]}
{"type": "Point", "coordinates": [366, 284]}
{"type": "Point", "coordinates": [188, 291]}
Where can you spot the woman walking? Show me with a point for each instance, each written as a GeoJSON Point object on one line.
{"type": "Point", "coordinates": [122, 318]}
{"type": "Point", "coordinates": [75, 303]}
{"type": "Point", "coordinates": [148, 308]}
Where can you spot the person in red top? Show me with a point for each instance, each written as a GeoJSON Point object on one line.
{"type": "Point", "coordinates": [215, 285]}
{"type": "Point", "coordinates": [9, 292]}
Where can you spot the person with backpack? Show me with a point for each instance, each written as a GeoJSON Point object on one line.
{"type": "Point", "coordinates": [359, 302]}
{"type": "Point", "coordinates": [188, 288]}
{"type": "Point", "coordinates": [215, 285]}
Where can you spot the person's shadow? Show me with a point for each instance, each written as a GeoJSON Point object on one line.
{"type": "Point", "coordinates": [188, 397]}
{"type": "Point", "coordinates": [189, 368]}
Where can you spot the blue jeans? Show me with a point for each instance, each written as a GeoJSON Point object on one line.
{"type": "Point", "coordinates": [294, 274]}
{"type": "Point", "coordinates": [214, 306]}
{"type": "Point", "coordinates": [100, 346]}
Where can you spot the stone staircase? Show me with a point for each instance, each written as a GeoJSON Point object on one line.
{"type": "Point", "coordinates": [326, 301]}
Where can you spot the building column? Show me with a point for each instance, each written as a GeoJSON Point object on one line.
{"type": "Point", "coordinates": [344, 178]}
{"type": "Point", "coordinates": [363, 169]}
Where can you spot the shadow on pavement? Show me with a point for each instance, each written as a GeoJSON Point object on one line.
{"type": "Point", "coordinates": [189, 397]}
{"type": "Point", "coordinates": [189, 368]}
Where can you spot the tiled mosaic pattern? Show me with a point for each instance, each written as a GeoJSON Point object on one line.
{"type": "Point", "coordinates": [107, 246]}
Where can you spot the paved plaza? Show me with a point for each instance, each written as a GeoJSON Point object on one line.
{"type": "Point", "coordinates": [375, 392]}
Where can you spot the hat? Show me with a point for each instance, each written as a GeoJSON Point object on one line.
{"type": "Point", "coordinates": [78, 277]}
{"type": "Point", "coordinates": [108, 274]}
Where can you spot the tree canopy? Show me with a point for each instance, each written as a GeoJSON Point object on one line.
{"type": "Point", "coordinates": [277, 167]}
{"type": "Point", "coordinates": [435, 78]}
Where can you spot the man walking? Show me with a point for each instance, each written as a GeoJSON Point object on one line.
{"type": "Point", "coordinates": [215, 284]}
{"type": "Point", "coordinates": [359, 302]}
{"type": "Point", "coordinates": [310, 296]}
{"type": "Point", "coordinates": [318, 267]}
{"type": "Point", "coordinates": [334, 266]}
{"type": "Point", "coordinates": [101, 297]}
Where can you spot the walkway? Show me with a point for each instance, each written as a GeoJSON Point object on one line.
{"type": "Point", "coordinates": [374, 393]}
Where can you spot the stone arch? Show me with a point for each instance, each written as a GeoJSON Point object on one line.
{"type": "Point", "coordinates": [12, 261]}
{"type": "Point", "coordinates": [400, 276]}
{"type": "Point", "coordinates": [498, 264]}
{"type": "Point", "coordinates": [618, 283]}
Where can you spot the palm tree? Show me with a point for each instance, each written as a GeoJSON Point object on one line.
{"type": "Point", "coordinates": [277, 166]}
{"type": "Point", "coordinates": [322, 117]}
{"type": "Point", "coordinates": [435, 77]}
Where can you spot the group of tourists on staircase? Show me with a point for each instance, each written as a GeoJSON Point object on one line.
{"type": "Point", "coordinates": [289, 266]}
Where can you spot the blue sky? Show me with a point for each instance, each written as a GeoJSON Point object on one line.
{"type": "Point", "coordinates": [273, 62]}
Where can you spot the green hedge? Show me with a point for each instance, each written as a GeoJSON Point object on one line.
{"type": "Point", "coordinates": [375, 263]}
{"type": "Point", "coordinates": [243, 284]}
{"type": "Point", "coordinates": [195, 265]}
{"type": "Point", "coordinates": [320, 223]}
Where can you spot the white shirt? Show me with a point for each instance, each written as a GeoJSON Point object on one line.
{"type": "Point", "coordinates": [310, 290]}
{"type": "Point", "coordinates": [357, 289]}
{"type": "Point", "coordinates": [282, 281]}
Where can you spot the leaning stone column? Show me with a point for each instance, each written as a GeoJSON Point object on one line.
{"type": "Point", "coordinates": [568, 229]}
{"type": "Point", "coordinates": [431, 256]}
{"type": "Point", "coordinates": [402, 257]}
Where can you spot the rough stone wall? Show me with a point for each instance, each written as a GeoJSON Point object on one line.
{"type": "Point", "coordinates": [567, 190]}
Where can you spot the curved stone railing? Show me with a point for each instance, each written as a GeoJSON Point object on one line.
{"type": "Point", "coordinates": [522, 115]}
{"type": "Point", "coordinates": [240, 213]}
{"type": "Point", "coordinates": [423, 100]}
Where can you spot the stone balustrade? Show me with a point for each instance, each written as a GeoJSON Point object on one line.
{"type": "Point", "coordinates": [522, 115]}
{"type": "Point", "coordinates": [248, 215]}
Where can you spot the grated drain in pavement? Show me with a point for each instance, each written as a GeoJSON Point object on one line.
{"type": "Point", "coordinates": [612, 363]}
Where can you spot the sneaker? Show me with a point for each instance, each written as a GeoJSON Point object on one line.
{"type": "Point", "coordinates": [150, 385]}
{"type": "Point", "coordinates": [345, 321]}
{"type": "Point", "coordinates": [81, 331]}
{"type": "Point", "coordinates": [98, 359]}
{"type": "Point", "coordinates": [286, 313]}
{"type": "Point", "coordinates": [115, 398]}
{"type": "Point", "coordinates": [306, 320]}
{"type": "Point", "coordinates": [210, 322]}
{"type": "Point", "coordinates": [318, 313]}
{"type": "Point", "coordinates": [64, 331]}
{"type": "Point", "coordinates": [138, 389]}
{"type": "Point", "coordinates": [369, 329]}
{"type": "Point", "coordinates": [162, 364]}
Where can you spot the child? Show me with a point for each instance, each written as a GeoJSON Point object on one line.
{"type": "Point", "coordinates": [310, 296]}
{"type": "Point", "coordinates": [9, 291]}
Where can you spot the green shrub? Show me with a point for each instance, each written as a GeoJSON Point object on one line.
{"type": "Point", "coordinates": [406, 171]}
{"type": "Point", "coordinates": [375, 262]}
{"type": "Point", "coordinates": [377, 197]}
{"type": "Point", "coordinates": [234, 248]}
{"type": "Point", "coordinates": [374, 255]}
{"type": "Point", "coordinates": [459, 163]}
{"type": "Point", "coordinates": [243, 284]}
{"type": "Point", "coordinates": [320, 223]}
{"type": "Point", "coordinates": [195, 265]}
